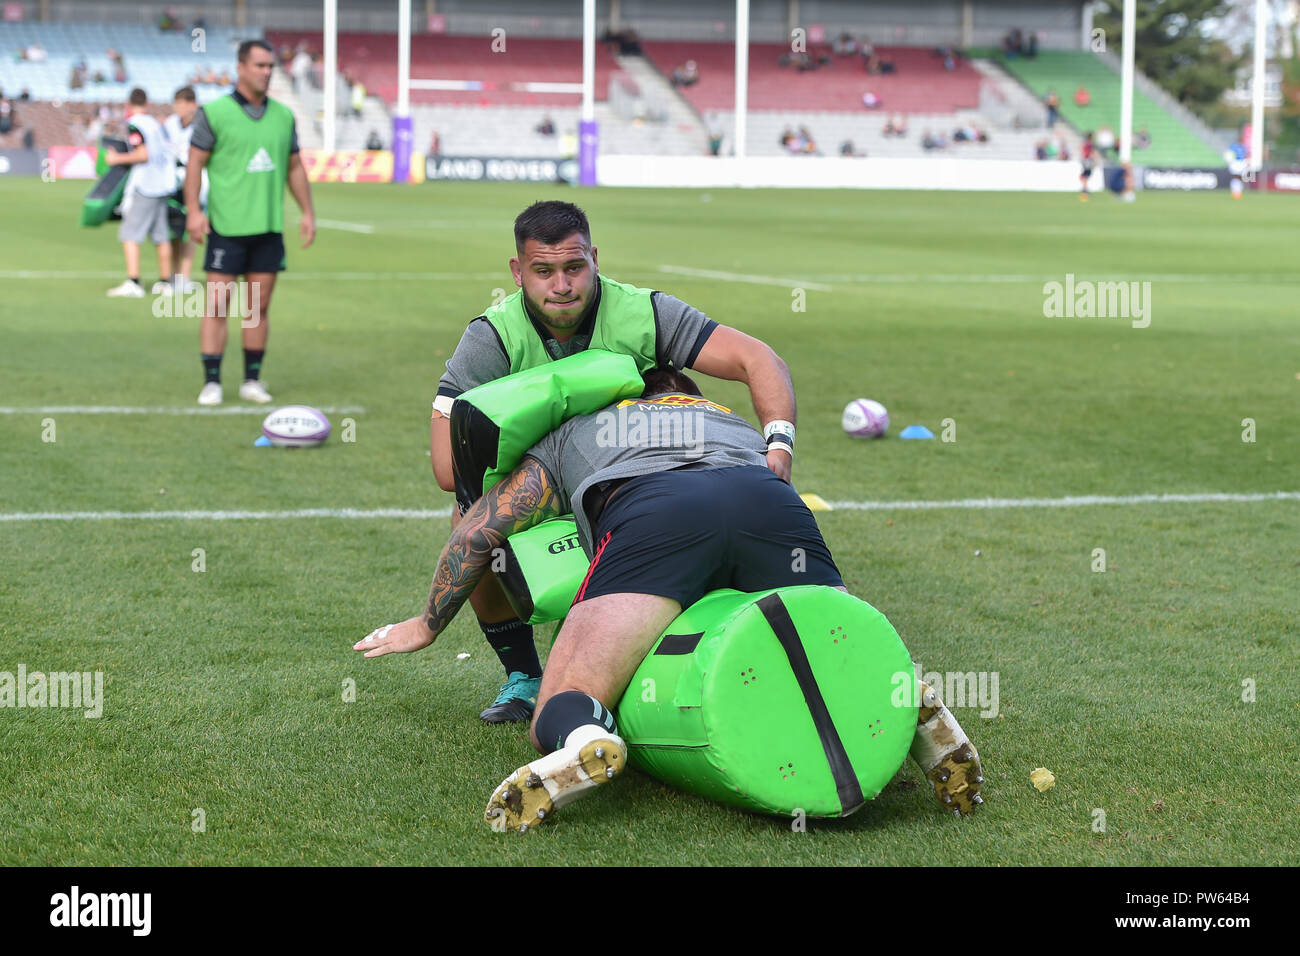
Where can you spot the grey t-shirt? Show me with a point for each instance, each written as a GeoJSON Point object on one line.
{"type": "Point", "coordinates": [204, 138]}
{"type": "Point", "coordinates": [680, 333]}
{"type": "Point", "coordinates": [641, 436]}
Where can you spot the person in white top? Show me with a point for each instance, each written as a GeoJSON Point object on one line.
{"type": "Point", "coordinates": [179, 127]}
{"type": "Point", "coordinates": [144, 201]}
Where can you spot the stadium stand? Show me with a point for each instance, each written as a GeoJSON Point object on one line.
{"type": "Point", "coordinates": [919, 84]}
{"type": "Point", "coordinates": [494, 78]}
{"type": "Point", "coordinates": [156, 61]}
{"type": "Point", "coordinates": [1172, 143]}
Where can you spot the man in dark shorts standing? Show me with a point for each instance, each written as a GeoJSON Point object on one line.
{"type": "Point", "coordinates": [249, 145]}
{"type": "Point", "coordinates": [673, 498]}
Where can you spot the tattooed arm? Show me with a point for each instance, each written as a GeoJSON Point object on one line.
{"type": "Point", "coordinates": [527, 497]}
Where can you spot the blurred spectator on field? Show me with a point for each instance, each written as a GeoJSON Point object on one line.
{"type": "Point", "coordinates": [688, 74]}
{"type": "Point", "coordinates": [1082, 97]}
{"type": "Point", "coordinates": [546, 127]}
{"type": "Point", "coordinates": [1142, 139]}
{"type": "Point", "coordinates": [373, 142]}
{"type": "Point", "coordinates": [845, 45]}
{"type": "Point", "coordinates": [871, 100]}
{"type": "Point", "coordinates": [1053, 104]}
{"type": "Point", "coordinates": [896, 125]}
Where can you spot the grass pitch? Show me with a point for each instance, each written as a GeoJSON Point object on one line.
{"type": "Point", "coordinates": [224, 689]}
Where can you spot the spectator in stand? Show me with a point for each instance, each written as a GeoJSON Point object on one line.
{"type": "Point", "coordinates": [688, 74]}
{"type": "Point", "coordinates": [373, 142]}
{"type": "Point", "coordinates": [77, 80]}
{"type": "Point", "coordinates": [931, 142]}
{"type": "Point", "coordinates": [787, 138]}
{"type": "Point", "coordinates": [1142, 139]}
{"type": "Point", "coordinates": [435, 146]}
{"type": "Point", "coordinates": [871, 100]}
{"type": "Point", "coordinates": [949, 59]}
{"type": "Point", "coordinates": [1105, 140]}
{"type": "Point", "coordinates": [119, 65]}
{"type": "Point", "coordinates": [224, 79]}
{"type": "Point", "coordinates": [36, 53]}
{"type": "Point", "coordinates": [546, 127]}
{"type": "Point", "coordinates": [845, 45]}
{"type": "Point", "coordinates": [715, 140]}
{"type": "Point", "coordinates": [846, 148]}
{"type": "Point", "coordinates": [1082, 97]}
{"type": "Point", "coordinates": [210, 77]}
{"type": "Point", "coordinates": [167, 21]}
{"type": "Point", "coordinates": [1030, 49]}
{"type": "Point", "coordinates": [1053, 104]}
{"type": "Point", "coordinates": [358, 98]}
{"type": "Point", "coordinates": [8, 119]}
{"type": "Point", "coordinates": [1011, 43]}
{"type": "Point", "coordinates": [809, 145]}
{"type": "Point", "coordinates": [300, 68]}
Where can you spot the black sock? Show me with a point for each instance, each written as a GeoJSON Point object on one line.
{"type": "Point", "coordinates": [135, 279]}
{"type": "Point", "coordinates": [564, 713]}
{"type": "Point", "coordinates": [513, 642]}
{"type": "Point", "coordinates": [252, 364]}
{"type": "Point", "coordinates": [211, 368]}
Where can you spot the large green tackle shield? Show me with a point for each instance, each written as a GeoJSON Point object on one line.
{"type": "Point", "coordinates": [795, 699]}
{"type": "Point", "coordinates": [106, 195]}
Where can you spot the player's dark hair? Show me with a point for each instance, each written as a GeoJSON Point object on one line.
{"type": "Point", "coordinates": [186, 93]}
{"type": "Point", "coordinates": [246, 48]}
{"type": "Point", "coordinates": [660, 381]}
{"type": "Point", "coordinates": [550, 222]}
{"type": "Point", "coordinates": [138, 97]}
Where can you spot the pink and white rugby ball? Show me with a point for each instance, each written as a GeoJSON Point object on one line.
{"type": "Point", "coordinates": [296, 426]}
{"type": "Point", "coordinates": [864, 418]}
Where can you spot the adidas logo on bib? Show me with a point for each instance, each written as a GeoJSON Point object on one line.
{"type": "Point", "coordinates": [261, 163]}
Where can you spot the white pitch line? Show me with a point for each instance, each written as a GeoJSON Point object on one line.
{"type": "Point", "coordinates": [502, 277]}
{"type": "Point", "coordinates": [224, 515]}
{"type": "Point", "coordinates": [424, 514]}
{"type": "Point", "coordinates": [162, 410]}
{"type": "Point", "coordinates": [346, 226]}
{"type": "Point", "coordinates": [1074, 501]}
{"type": "Point", "coordinates": [745, 277]}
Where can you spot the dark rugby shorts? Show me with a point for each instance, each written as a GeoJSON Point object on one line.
{"type": "Point", "coordinates": [681, 534]}
{"type": "Point", "coordinates": [240, 255]}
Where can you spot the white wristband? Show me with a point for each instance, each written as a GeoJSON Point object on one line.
{"type": "Point", "coordinates": [782, 446]}
{"type": "Point", "coordinates": [778, 427]}
{"type": "Point", "coordinates": [442, 405]}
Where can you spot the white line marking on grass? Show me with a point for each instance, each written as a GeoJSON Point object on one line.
{"type": "Point", "coordinates": [424, 514]}
{"type": "Point", "coordinates": [346, 226]}
{"type": "Point", "coordinates": [745, 277]}
{"type": "Point", "coordinates": [1075, 501]}
{"type": "Point", "coordinates": [225, 515]}
{"type": "Point", "coordinates": [163, 410]}
{"type": "Point", "coordinates": [502, 277]}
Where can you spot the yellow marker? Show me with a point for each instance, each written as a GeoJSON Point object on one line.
{"type": "Point", "coordinates": [816, 503]}
{"type": "Point", "coordinates": [1042, 779]}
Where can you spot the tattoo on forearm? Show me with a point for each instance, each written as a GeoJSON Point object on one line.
{"type": "Point", "coordinates": [520, 501]}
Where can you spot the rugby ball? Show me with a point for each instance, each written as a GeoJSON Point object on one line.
{"type": "Point", "coordinates": [296, 426]}
{"type": "Point", "coordinates": [864, 418]}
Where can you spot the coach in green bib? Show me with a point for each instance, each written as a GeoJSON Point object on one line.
{"type": "Point", "coordinates": [248, 144]}
{"type": "Point", "coordinates": [563, 306]}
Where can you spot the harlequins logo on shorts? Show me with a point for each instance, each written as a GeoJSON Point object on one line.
{"type": "Point", "coordinates": [261, 162]}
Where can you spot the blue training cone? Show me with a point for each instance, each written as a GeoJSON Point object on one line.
{"type": "Point", "coordinates": [262, 442]}
{"type": "Point", "coordinates": [916, 431]}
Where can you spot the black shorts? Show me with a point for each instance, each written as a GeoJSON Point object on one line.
{"type": "Point", "coordinates": [681, 534]}
{"type": "Point", "coordinates": [240, 255]}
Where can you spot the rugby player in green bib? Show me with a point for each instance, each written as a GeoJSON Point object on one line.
{"type": "Point", "coordinates": [248, 144]}
{"type": "Point", "coordinates": [563, 306]}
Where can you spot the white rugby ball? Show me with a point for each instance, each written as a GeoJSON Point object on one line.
{"type": "Point", "coordinates": [296, 426]}
{"type": "Point", "coordinates": [864, 418]}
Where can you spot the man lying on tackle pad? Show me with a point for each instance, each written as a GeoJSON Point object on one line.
{"type": "Point", "coordinates": [673, 499]}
